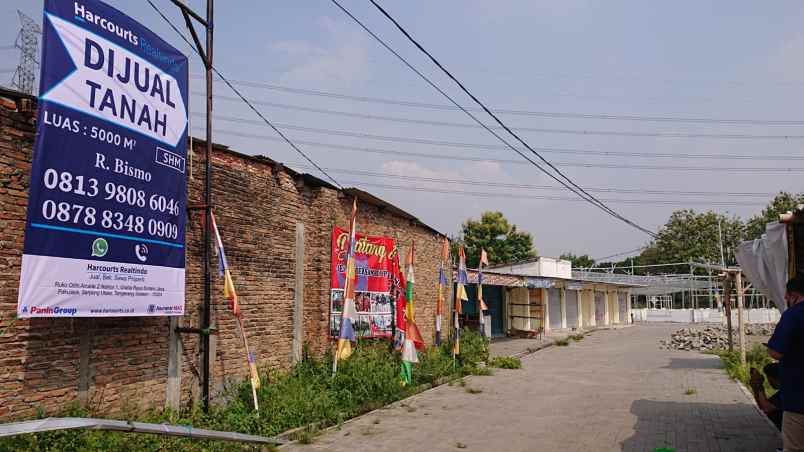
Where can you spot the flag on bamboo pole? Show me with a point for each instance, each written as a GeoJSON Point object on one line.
{"type": "Point", "coordinates": [460, 297]}
{"type": "Point", "coordinates": [230, 294]}
{"type": "Point", "coordinates": [413, 338]}
{"type": "Point", "coordinates": [484, 260]}
{"type": "Point", "coordinates": [223, 269]}
{"type": "Point", "coordinates": [349, 314]}
{"type": "Point", "coordinates": [442, 290]}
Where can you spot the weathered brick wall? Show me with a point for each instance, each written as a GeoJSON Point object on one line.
{"type": "Point", "coordinates": [257, 205]}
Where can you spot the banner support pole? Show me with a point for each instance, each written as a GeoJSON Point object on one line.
{"type": "Point", "coordinates": [206, 57]}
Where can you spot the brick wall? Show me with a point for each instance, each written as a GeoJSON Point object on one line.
{"type": "Point", "coordinates": [46, 363]}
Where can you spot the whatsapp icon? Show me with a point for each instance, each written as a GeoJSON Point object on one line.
{"type": "Point", "coordinates": [100, 247]}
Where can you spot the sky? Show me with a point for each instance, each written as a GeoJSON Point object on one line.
{"type": "Point", "coordinates": [684, 59]}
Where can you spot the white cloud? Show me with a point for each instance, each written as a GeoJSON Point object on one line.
{"type": "Point", "coordinates": [341, 58]}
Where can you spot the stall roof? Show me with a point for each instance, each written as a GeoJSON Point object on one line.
{"type": "Point", "coordinates": [507, 279]}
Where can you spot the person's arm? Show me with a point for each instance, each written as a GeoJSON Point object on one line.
{"type": "Point", "coordinates": [762, 401]}
{"type": "Point", "coordinates": [758, 388]}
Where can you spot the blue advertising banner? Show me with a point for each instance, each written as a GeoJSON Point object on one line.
{"type": "Point", "coordinates": [106, 212]}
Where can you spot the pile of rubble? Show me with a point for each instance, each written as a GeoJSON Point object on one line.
{"type": "Point", "coordinates": [711, 337]}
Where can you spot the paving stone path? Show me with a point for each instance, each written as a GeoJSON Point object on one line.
{"type": "Point", "coordinates": [613, 391]}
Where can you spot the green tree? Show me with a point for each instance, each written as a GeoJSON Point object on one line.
{"type": "Point", "coordinates": [584, 261]}
{"type": "Point", "coordinates": [501, 240]}
{"type": "Point", "coordinates": [691, 236]}
{"type": "Point", "coordinates": [783, 202]}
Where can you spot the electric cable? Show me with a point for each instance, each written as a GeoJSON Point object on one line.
{"type": "Point", "coordinates": [403, 120]}
{"type": "Point", "coordinates": [246, 101]}
{"type": "Point", "coordinates": [487, 159]}
{"type": "Point", "coordinates": [477, 194]}
{"type": "Point", "coordinates": [234, 119]}
{"type": "Point", "coordinates": [623, 253]}
{"type": "Point", "coordinates": [515, 112]}
{"type": "Point", "coordinates": [572, 186]}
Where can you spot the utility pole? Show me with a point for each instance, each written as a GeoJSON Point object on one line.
{"type": "Point", "coordinates": [206, 56]}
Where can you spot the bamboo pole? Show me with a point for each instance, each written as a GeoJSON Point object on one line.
{"type": "Point", "coordinates": [727, 308]}
{"type": "Point", "coordinates": [740, 300]}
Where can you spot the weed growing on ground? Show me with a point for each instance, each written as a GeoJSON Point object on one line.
{"type": "Point", "coordinates": [562, 342]}
{"type": "Point", "coordinates": [577, 337]}
{"type": "Point", "coordinates": [305, 436]}
{"type": "Point", "coordinates": [307, 394]}
{"type": "Point", "coordinates": [690, 391]}
{"type": "Point", "coordinates": [474, 390]}
{"type": "Point", "coordinates": [506, 362]}
{"type": "Point", "coordinates": [484, 371]}
{"type": "Point", "coordinates": [756, 357]}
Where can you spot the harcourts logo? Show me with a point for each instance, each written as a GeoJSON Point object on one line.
{"type": "Point", "coordinates": [155, 308]}
{"type": "Point", "coordinates": [53, 310]}
{"type": "Point", "coordinates": [86, 16]}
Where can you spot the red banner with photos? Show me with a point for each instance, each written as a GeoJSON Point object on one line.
{"type": "Point", "coordinates": [378, 283]}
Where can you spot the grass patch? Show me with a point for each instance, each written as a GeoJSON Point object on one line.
{"type": "Point", "coordinates": [304, 395]}
{"type": "Point", "coordinates": [577, 337]}
{"type": "Point", "coordinates": [474, 390]}
{"type": "Point", "coordinates": [690, 391]}
{"type": "Point", "coordinates": [755, 357]}
{"type": "Point", "coordinates": [482, 371]}
{"type": "Point", "coordinates": [506, 362]}
{"type": "Point", "coordinates": [562, 342]}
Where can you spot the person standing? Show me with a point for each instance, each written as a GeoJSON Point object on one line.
{"type": "Point", "coordinates": [787, 346]}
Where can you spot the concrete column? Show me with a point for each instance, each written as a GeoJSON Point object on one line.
{"type": "Point", "coordinates": [546, 310]}
{"type": "Point", "coordinates": [298, 298]}
{"type": "Point", "coordinates": [628, 307]}
{"type": "Point", "coordinates": [579, 300]}
{"type": "Point", "coordinates": [506, 309]}
{"type": "Point", "coordinates": [563, 308]}
{"type": "Point", "coordinates": [84, 350]}
{"type": "Point", "coordinates": [173, 390]}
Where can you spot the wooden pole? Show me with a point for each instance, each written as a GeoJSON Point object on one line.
{"type": "Point", "coordinates": [727, 308]}
{"type": "Point", "coordinates": [740, 300]}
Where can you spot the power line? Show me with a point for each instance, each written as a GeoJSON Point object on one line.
{"type": "Point", "coordinates": [575, 188]}
{"type": "Point", "coordinates": [235, 119]}
{"type": "Point", "coordinates": [482, 183]}
{"type": "Point", "coordinates": [246, 101]}
{"type": "Point", "coordinates": [514, 112]}
{"type": "Point", "coordinates": [600, 259]}
{"type": "Point", "coordinates": [477, 194]}
{"type": "Point", "coordinates": [485, 147]}
{"type": "Point", "coordinates": [527, 186]}
{"type": "Point", "coordinates": [624, 267]}
{"type": "Point", "coordinates": [731, 136]}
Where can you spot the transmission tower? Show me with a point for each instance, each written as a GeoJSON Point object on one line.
{"type": "Point", "coordinates": [28, 42]}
